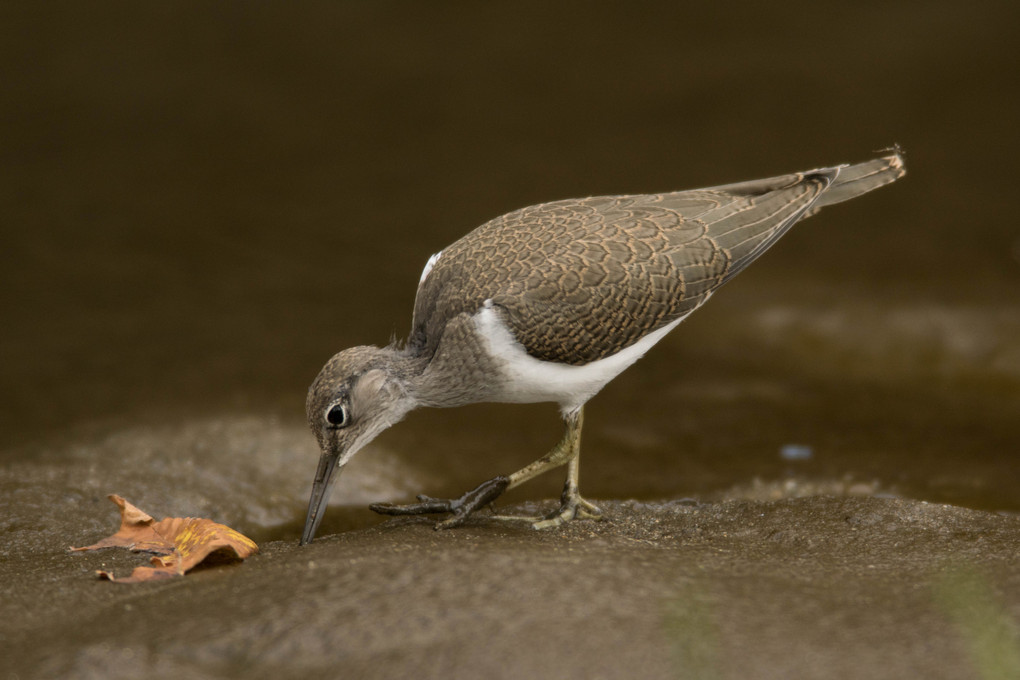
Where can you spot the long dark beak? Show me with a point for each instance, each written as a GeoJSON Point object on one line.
{"type": "Point", "coordinates": [325, 476]}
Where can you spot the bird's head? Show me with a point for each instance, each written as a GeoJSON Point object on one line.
{"type": "Point", "coordinates": [358, 393]}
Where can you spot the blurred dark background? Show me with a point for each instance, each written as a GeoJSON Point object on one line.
{"type": "Point", "coordinates": [201, 202]}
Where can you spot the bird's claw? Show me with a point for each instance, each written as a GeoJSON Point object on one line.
{"type": "Point", "coordinates": [459, 508]}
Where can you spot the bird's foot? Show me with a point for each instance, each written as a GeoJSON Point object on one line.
{"type": "Point", "coordinates": [460, 508]}
{"type": "Point", "coordinates": [572, 507]}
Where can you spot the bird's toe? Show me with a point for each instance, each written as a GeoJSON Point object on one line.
{"type": "Point", "coordinates": [573, 507]}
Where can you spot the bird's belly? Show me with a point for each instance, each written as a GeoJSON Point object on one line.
{"type": "Point", "coordinates": [526, 379]}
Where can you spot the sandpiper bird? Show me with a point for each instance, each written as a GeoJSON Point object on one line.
{"type": "Point", "coordinates": [550, 303]}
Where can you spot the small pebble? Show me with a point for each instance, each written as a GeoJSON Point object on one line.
{"type": "Point", "coordinates": [796, 452]}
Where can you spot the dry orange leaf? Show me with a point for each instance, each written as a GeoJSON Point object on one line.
{"type": "Point", "coordinates": [180, 543]}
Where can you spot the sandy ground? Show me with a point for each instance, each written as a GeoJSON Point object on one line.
{"type": "Point", "coordinates": [825, 586]}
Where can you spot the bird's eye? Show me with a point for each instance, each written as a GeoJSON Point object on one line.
{"type": "Point", "coordinates": [336, 415]}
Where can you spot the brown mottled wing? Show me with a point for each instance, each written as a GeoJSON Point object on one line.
{"type": "Point", "coordinates": [579, 280]}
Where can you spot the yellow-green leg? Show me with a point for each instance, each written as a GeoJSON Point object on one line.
{"type": "Point", "coordinates": [572, 505]}
{"type": "Point", "coordinates": [568, 451]}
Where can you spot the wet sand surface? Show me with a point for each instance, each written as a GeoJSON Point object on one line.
{"type": "Point", "coordinates": [814, 476]}
{"type": "Point", "coordinates": [820, 586]}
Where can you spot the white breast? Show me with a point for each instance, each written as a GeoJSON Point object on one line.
{"type": "Point", "coordinates": [528, 380]}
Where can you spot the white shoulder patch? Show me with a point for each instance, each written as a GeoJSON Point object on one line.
{"type": "Point", "coordinates": [428, 267]}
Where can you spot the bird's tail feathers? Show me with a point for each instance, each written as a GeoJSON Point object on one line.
{"type": "Point", "coordinates": [854, 180]}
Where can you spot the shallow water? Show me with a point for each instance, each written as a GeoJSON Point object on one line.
{"type": "Point", "coordinates": [200, 204]}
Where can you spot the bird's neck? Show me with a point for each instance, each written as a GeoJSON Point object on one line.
{"type": "Point", "coordinates": [404, 369]}
{"type": "Point", "coordinates": [403, 364]}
